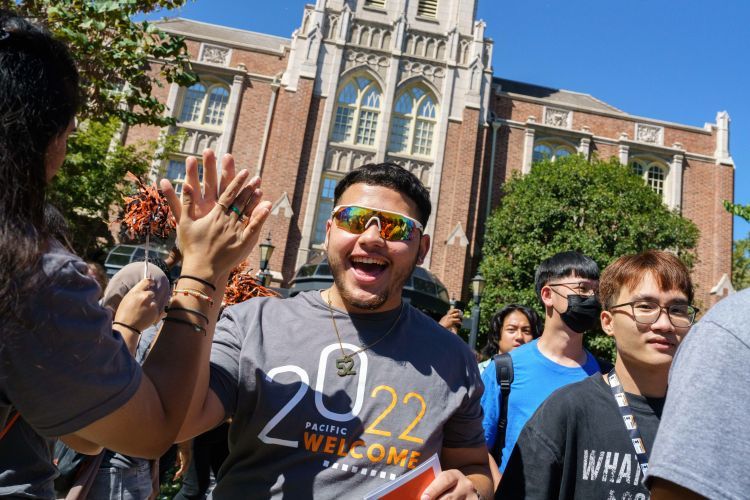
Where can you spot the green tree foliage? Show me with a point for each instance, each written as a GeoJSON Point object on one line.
{"type": "Point", "coordinates": [91, 182]}
{"type": "Point", "coordinates": [113, 53]}
{"type": "Point", "coordinates": [740, 249]}
{"type": "Point", "coordinates": [598, 208]}
{"type": "Point", "coordinates": [741, 264]}
{"type": "Point", "coordinates": [738, 210]}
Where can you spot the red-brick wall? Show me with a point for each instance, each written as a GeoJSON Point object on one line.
{"type": "Point", "coordinates": [283, 169]}
{"type": "Point", "coordinates": [705, 186]}
{"type": "Point", "coordinates": [458, 202]}
{"type": "Point", "coordinates": [302, 185]}
{"type": "Point", "coordinates": [251, 121]}
{"type": "Point", "coordinates": [260, 63]}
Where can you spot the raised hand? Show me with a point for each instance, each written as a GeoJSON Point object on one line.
{"type": "Point", "coordinates": [215, 235]}
{"type": "Point", "coordinates": [452, 320]}
{"type": "Point", "coordinates": [205, 199]}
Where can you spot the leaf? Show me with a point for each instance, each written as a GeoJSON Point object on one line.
{"type": "Point", "coordinates": [110, 48]}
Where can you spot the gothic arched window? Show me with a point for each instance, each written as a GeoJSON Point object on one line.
{"type": "Point", "coordinates": [357, 112]}
{"type": "Point", "coordinates": [413, 122]}
{"type": "Point", "coordinates": [204, 106]}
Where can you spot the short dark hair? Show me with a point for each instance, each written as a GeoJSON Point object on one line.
{"type": "Point", "coordinates": [564, 264]}
{"type": "Point", "coordinates": [496, 326]}
{"type": "Point", "coordinates": [393, 177]}
{"type": "Point", "coordinates": [669, 272]}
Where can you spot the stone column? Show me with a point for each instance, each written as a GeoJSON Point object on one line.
{"type": "Point", "coordinates": [624, 149]}
{"type": "Point", "coordinates": [230, 117]}
{"type": "Point", "coordinates": [528, 150]}
{"type": "Point", "coordinates": [584, 147]}
{"type": "Point", "coordinates": [675, 174]}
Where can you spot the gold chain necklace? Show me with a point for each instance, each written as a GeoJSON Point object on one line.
{"type": "Point", "coordinates": [345, 364]}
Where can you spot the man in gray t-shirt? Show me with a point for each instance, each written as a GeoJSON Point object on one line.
{"type": "Point", "coordinates": [702, 448]}
{"type": "Point", "coordinates": [334, 393]}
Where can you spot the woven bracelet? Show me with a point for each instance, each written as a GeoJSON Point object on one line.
{"type": "Point", "coordinates": [193, 293]}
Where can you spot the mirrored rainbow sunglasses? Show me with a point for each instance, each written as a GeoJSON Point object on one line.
{"type": "Point", "coordinates": [392, 226]}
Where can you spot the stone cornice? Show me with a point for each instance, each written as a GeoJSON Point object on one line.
{"type": "Point", "coordinates": [612, 114]}
{"type": "Point", "coordinates": [227, 43]}
{"type": "Point", "coordinates": [608, 140]}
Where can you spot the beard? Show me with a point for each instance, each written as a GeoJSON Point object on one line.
{"type": "Point", "coordinates": [376, 299]}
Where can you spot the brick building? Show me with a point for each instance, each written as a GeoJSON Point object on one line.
{"type": "Point", "coordinates": [411, 82]}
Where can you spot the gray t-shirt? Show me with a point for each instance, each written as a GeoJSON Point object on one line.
{"type": "Point", "coordinates": [300, 430]}
{"type": "Point", "coordinates": [61, 371]}
{"type": "Point", "coordinates": [703, 443]}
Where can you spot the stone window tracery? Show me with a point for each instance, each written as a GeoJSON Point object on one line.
{"type": "Point", "coordinates": [204, 105]}
{"type": "Point", "coordinates": [357, 109]}
{"type": "Point", "coordinates": [413, 122]}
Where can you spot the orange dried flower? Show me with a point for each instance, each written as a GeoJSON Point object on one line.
{"type": "Point", "coordinates": [243, 286]}
{"type": "Point", "coordinates": [147, 212]}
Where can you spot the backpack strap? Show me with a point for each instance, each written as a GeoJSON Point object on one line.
{"type": "Point", "coordinates": [504, 371]}
{"type": "Point", "coordinates": [604, 365]}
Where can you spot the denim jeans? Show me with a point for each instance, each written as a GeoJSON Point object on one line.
{"type": "Point", "coordinates": [114, 483]}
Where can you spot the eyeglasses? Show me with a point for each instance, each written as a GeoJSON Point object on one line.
{"type": "Point", "coordinates": [584, 288]}
{"type": "Point", "coordinates": [646, 312]}
{"type": "Point", "coordinates": [392, 226]}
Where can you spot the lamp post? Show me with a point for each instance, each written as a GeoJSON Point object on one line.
{"type": "Point", "coordinates": [477, 287]}
{"type": "Point", "coordinates": [266, 250]}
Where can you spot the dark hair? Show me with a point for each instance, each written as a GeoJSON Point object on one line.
{"type": "Point", "coordinates": [564, 264]}
{"type": "Point", "coordinates": [393, 177]}
{"type": "Point", "coordinates": [627, 271]}
{"type": "Point", "coordinates": [57, 226]}
{"type": "Point", "coordinates": [38, 99]}
{"type": "Point", "coordinates": [496, 326]}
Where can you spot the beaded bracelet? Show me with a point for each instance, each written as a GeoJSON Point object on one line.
{"type": "Point", "coordinates": [194, 311]}
{"type": "Point", "coordinates": [194, 293]}
{"type": "Point", "coordinates": [131, 328]}
{"type": "Point", "coordinates": [198, 328]}
{"type": "Point", "coordinates": [199, 280]}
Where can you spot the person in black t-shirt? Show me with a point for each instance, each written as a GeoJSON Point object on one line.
{"type": "Point", "coordinates": [591, 439]}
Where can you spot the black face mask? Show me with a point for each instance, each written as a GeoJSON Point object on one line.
{"type": "Point", "coordinates": [582, 314]}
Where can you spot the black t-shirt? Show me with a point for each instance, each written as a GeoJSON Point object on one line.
{"type": "Point", "coordinates": [576, 446]}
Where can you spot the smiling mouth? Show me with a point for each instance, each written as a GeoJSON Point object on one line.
{"type": "Point", "coordinates": [369, 266]}
{"type": "Point", "coordinates": [662, 342]}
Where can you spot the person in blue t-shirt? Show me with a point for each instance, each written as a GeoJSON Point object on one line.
{"type": "Point", "coordinates": [566, 284]}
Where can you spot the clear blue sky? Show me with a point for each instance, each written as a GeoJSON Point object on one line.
{"type": "Point", "coordinates": [673, 60]}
